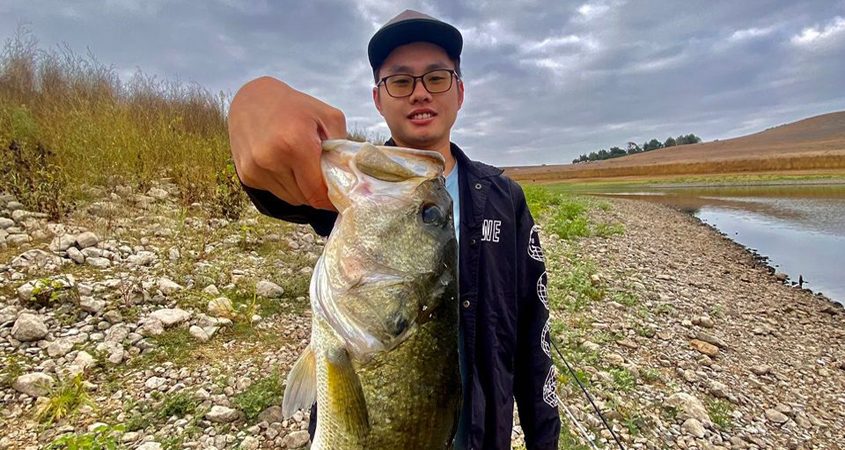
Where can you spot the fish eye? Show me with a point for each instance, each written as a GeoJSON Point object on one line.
{"type": "Point", "coordinates": [432, 214]}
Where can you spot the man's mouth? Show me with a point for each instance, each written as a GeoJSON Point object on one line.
{"type": "Point", "coordinates": [421, 115]}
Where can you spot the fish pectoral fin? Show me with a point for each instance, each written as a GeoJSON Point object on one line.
{"type": "Point", "coordinates": [301, 389]}
{"type": "Point", "coordinates": [346, 397]}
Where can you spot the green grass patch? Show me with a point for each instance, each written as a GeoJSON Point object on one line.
{"type": "Point", "coordinates": [720, 413]}
{"type": "Point", "coordinates": [64, 400]}
{"type": "Point", "coordinates": [261, 395]}
{"type": "Point", "coordinates": [104, 437]}
{"type": "Point", "coordinates": [625, 298]}
{"type": "Point", "coordinates": [144, 415]}
{"type": "Point", "coordinates": [173, 345]}
{"type": "Point", "coordinates": [623, 379]}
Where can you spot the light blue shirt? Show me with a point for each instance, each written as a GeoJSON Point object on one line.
{"type": "Point", "coordinates": [452, 186]}
{"type": "Point", "coordinates": [454, 192]}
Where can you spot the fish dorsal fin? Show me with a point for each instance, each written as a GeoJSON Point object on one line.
{"type": "Point", "coordinates": [301, 389]}
{"type": "Point", "coordinates": [345, 395]}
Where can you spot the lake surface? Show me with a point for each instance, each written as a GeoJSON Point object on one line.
{"type": "Point", "coordinates": [799, 227]}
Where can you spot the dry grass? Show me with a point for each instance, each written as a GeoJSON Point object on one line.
{"type": "Point", "coordinates": [814, 144]}
{"type": "Point", "coordinates": [100, 128]}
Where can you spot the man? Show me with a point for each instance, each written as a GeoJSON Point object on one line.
{"type": "Point", "coordinates": [275, 135]}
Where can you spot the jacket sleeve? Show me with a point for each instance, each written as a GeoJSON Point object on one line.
{"type": "Point", "coordinates": [534, 373]}
{"type": "Point", "coordinates": [321, 220]}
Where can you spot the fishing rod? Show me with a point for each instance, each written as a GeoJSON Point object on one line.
{"type": "Point", "coordinates": [589, 398]}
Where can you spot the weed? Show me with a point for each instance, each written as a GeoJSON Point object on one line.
{"type": "Point", "coordinates": [261, 395]}
{"type": "Point", "coordinates": [623, 379]}
{"type": "Point", "coordinates": [608, 229]}
{"type": "Point", "coordinates": [12, 369]}
{"type": "Point", "coordinates": [650, 375]}
{"type": "Point", "coordinates": [64, 400]}
{"type": "Point", "coordinates": [104, 437]}
{"type": "Point", "coordinates": [625, 298]}
{"type": "Point", "coordinates": [720, 413]}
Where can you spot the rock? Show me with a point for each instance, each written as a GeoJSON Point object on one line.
{"type": "Point", "coordinates": [222, 414]}
{"type": "Point", "coordinates": [170, 316]}
{"type": "Point", "coordinates": [174, 254]}
{"type": "Point", "coordinates": [776, 416]}
{"type": "Point", "coordinates": [98, 262]}
{"type": "Point", "coordinates": [719, 390]}
{"type": "Point", "coordinates": [117, 334]}
{"type": "Point", "coordinates": [703, 321]}
{"type": "Point", "coordinates": [168, 286]}
{"type": "Point", "coordinates": [704, 347]}
{"type": "Point", "coordinates": [141, 258]}
{"type": "Point", "coordinates": [87, 239]}
{"type": "Point", "coordinates": [36, 384]}
{"type": "Point", "coordinates": [590, 346]}
{"type": "Point", "coordinates": [154, 383]}
{"type": "Point", "coordinates": [75, 255]}
{"type": "Point", "coordinates": [628, 343]}
{"type": "Point", "coordinates": [157, 193]}
{"type": "Point", "coordinates": [761, 370]}
{"type": "Point", "coordinates": [780, 276]}
{"type": "Point", "coordinates": [59, 347]}
{"type": "Point", "coordinates": [150, 445]}
{"type": "Point", "coordinates": [693, 427]}
{"type": "Point", "coordinates": [62, 243]}
{"type": "Point", "coordinates": [81, 363]}
{"type": "Point", "coordinates": [249, 443]}
{"type": "Point", "coordinates": [297, 439]}
{"type": "Point", "coordinates": [268, 289]}
{"type": "Point", "coordinates": [17, 239]}
{"type": "Point", "coordinates": [211, 290]}
{"type": "Point", "coordinates": [19, 215]}
{"type": "Point", "coordinates": [6, 223]}
{"type": "Point", "coordinates": [116, 354]}
{"type": "Point", "coordinates": [29, 327]}
{"type": "Point", "coordinates": [689, 407]}
{"type": "Point", "coordinates": [198, 333]}
{"type": "Point", "coordinates": [113, 316]}
{"type": "Point", "coordinates": [614, 359]}
{"type": "Point", "coordinates": [91, 305]}
{"type": "Point", "coordinates": [152, 327]}
{"type": "Point", "coordinates": [710, 339]}
{"type": "Point", "coordinates": [221, 307]}
{"type": "Point", "coordinates": [271, 414]}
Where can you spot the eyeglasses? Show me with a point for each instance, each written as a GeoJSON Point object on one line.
{"type": "Point", "coordinates": [403, 85]}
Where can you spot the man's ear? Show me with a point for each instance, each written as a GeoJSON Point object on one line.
{"type": "Point", "coordinates": [377, 99]}
{"type": "Point", "coordinates": [460, 93]}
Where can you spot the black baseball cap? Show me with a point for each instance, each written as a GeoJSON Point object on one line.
{"type": "Point", "coordinates": [413, 26]}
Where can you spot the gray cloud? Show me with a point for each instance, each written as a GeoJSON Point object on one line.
{"type": "Point", "coordinates": [545, 81]}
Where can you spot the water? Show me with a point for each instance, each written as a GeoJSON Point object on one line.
{"type": "Point", "coordinates": [800, 228]}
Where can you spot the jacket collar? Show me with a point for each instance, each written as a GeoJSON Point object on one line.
{"type": "Point", "coordinates": [476, 169]}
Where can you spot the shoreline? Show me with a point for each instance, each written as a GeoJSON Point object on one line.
{"type": "Point", "coordinates": [690, 314]}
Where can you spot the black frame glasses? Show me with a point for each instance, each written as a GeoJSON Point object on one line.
{"type": "Point", "coordinates": [429, 81]}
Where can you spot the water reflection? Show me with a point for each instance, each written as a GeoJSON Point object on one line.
{"type": "Point", "coordinates": [801, 228]}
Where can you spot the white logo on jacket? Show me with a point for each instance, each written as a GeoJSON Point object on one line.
{"type": "Point", "coordinates": [534, 249]}
{"type": "Point", "coordinates": [490, 230]}
{"type": "Point", "coordinates": [549, 388]}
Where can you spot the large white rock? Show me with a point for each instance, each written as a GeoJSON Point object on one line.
{"type": "Point", "coordinates": [81, 363]}
{"type": "Point", "coordinates": [268, 289]}
{"type": "Point", "coordinates": [63, 242]}
{"type": "Point", "coordinates": [168, 286]}
{"type": "Point", "coordinates": [29, 327]}
{"type": "Point", "coordinates": [87, 239]}
{"type": "Point", "coordinates": [198, 333]}
{"type": "Point", "coordinates": [100, 263]}
{"type": "Point", "coordinates": [170, 316]}
{"type": "Point", "coordinates": [59, 347]}
{"type": "Point", "coordinates": [36, 384]}
{"type": "Point", "coordinates": [90, 304]}
{"type": "Point", "coordinates": [689, 407]}
{"type": "Point", "coordinates": [222, 414]}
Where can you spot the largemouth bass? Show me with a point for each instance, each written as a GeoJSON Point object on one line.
{"type": "Point", "coordinates": [383, 358]}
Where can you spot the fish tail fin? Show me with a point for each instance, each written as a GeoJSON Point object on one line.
{"type": "Point", "coordinates": [301, 389]}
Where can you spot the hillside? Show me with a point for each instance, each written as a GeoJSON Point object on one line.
{"type": "Point", "coordinates": [809, 144]}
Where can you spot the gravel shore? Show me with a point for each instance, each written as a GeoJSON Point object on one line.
{"type": "Point", "coordinates": [180, 327]}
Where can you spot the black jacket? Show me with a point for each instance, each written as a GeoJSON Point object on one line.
{"type": "Point", "coordinates": [504, 311]}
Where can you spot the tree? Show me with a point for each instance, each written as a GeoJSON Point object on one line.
{"type": "Point", "coordinates": [670, 142]}
{"type": "Point", "coordinates": [616, 152]}
{"type": "Point", "coordinates": [653, 144]}
{"type": "Point", "coordinates": [634, 148]}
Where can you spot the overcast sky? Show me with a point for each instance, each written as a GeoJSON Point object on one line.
{"type": "Point", "coordinates": [545, 80]}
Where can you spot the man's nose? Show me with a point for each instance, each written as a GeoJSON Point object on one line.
{"type": "Point", "coordinates": [420, 93]}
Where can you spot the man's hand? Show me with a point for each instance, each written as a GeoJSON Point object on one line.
{"type": "Point", "coordinates": [275, 133]}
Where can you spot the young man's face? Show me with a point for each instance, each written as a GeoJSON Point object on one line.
{"type": "Point", "coordinates": [421, 120]}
